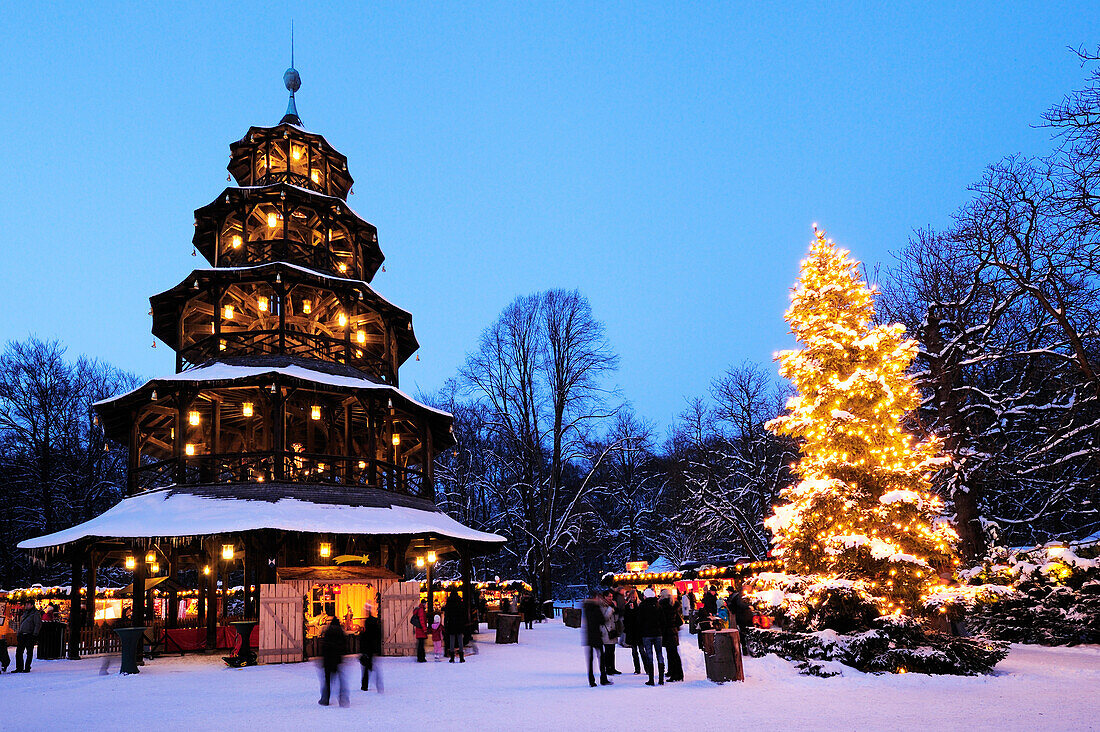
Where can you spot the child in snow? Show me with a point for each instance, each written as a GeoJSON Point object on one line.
{"type": "Point", "coordinates": [437, 638]}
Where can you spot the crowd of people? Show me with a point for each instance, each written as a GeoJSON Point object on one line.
{"type": "Point", "coordinates": [27, 625]}
{"type": "Point", "coordinates": [649, 625]}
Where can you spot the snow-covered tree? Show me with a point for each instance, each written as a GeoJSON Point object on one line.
{"type": "Point", "coordinates": [862, 509]}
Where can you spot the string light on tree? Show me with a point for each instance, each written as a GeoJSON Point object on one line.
{"type": "Point", "coordinates": [862, 509]}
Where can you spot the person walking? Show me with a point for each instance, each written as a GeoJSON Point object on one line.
{"type": "Point", "coordinates": [27, 630]}
{"type": "Point", "coordinates": [592, 630]}
{"type": "Point", "coordinates": [671, 620]}
{"type": "Point", "coordinates": [652, 631]}
{"type": "Point", "coordinates": [419, 620]}
{"type": "Point", "coordinates": [631, 632]}
{"type": "Point", "coordinates": [371, 640]}
{"type": "Point", "coordinates": [454, 625]}
{"type": "Point", "coordinates": [333, 648]}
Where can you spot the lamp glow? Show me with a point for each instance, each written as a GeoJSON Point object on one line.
{"type": "Point", "coordinates": [193, 418]}
{"type": "Point", "coordinates": [227, 312]}
{"type": "Point", "coordinates": [246, 409]}
{"type": "Point", "coordinates": [307, 306]}
{"type": "Point", "coordinates": [431, 557]}
{"type": "Point", "coordinates": [420, 562]}
{"type": "Point", "coordinates": [227, 552]}
{"type": "Point", "coordinates": [189, 449]}
{"type": "Point", "coordinates": [360, 337]}
{"type": "Point", "coordinates": [130, 562]}
{"type": "Point", "coordinates": [315, 411]}
{"type": "Point", "coordinates": [236, 241]}
{"type": "Point", "coordinates": [150, 557]}
{"type": "Point", "coordinates": [326, 549]}
{"type": "Point", "coordinates": [261, 304]}
{"type": "Point", "coordinates": [272, 221]}
{"type": "Point", "coordinates": [396, 439]}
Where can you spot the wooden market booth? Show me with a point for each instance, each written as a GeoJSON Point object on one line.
{"type": "Point", "coordinates": [281, 451]}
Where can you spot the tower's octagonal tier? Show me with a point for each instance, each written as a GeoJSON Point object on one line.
{"type": "Point", "coordinates": [284, 222]}
{"type": "Point", "coordinates": [282, 309]}
{"type": "Point", "coordinates": [288, 154]}
{"type": "Point", "coordinates": [285, 422]}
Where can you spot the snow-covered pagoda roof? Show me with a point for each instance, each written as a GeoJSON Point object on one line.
{"type": "Point", "coordinates": [286, 369]}
{"type": "Point", "coordinates": [169, 513]}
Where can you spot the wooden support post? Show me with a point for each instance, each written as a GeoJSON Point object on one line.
{"type": "Point", "coordinates": [74, 603]}
{"type": "Point", "coordinates": [171, 619]}
{"type": "Point", "coordinates": [211, 597]}
{"type": "Point", "coordinates": [200, 580]}
{"type": "Point", "coordinates": [467, 581]}
{"type": "Point", "coordinates": [279, 419]}
{"type": "Point", "coordinates": [89, 605]}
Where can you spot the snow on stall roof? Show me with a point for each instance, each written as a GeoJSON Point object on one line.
{"type": "Point", "coordinates": [164, 513]}
{"type": "Point", "coordinates": [661, 564]}
{"type": "Point", "coordinates": [225, 372]}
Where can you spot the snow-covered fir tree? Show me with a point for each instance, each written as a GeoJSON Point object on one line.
{"type": "Point", "coordinates": [862, 510]}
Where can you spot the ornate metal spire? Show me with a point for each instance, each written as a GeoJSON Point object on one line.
{"type": "Point", "coordinates": [293, 83]}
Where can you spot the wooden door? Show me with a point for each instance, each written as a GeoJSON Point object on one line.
{"type": "Point", "coordinates": [398, 601]}
{"type": "Point", "coordinates": [281, 625]}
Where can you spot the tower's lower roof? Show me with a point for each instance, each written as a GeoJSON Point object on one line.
{"type": "Point", "coordinates": [173, 513]}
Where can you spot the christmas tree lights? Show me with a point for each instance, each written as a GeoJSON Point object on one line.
{"type": "Point", "coordinates": [862, 511]}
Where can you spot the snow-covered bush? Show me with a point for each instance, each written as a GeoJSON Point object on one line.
{"type": "Point", "coordinates": [894, 644]}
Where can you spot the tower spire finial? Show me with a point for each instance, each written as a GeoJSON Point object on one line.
{"type": "Point", "coordinates": [293, 83]}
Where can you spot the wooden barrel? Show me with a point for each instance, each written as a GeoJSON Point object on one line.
{"type": "Point", "coordinates": [508, 628]}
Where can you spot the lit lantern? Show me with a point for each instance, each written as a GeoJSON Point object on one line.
{"type": "Point", "coordinates": [246, 409]}
{"type": "Point", "coordinates": [431, 557]}
{"type": "Point", "coordinates": [189, 449]}
{"type": "Point", "coordinates": [326, 550]}
{"type": "Point", "coordinates": [150, 557]}
{"type": "Point", "coordinates": [358, 353]}
{"type": "Point", "coordinates": [320, 467]}
{"type": "Point", "coordinates": [342, 267]}
{"type": "Point", "coordinates": [396, 439]}
{"type": "Point", "coordinates": [261, 304]}
{"type": "Point", "coordinates": [342, 319]}
{"type": "Point", "coordinates": [193, 417]}
{"type": "Point", "coordinates": [236, 242]}
{"type": "Point", "coordinates": [307, 306]}
{"type": "Point", "coordinates": [130, 562]}
{"type": "Point", "coordinates": [295, 152]}
{"type": "Point", "coordinates": [227, 311]}
{"type": "Point", "coordinates": [272, 220]}
{"type": "Point", "coordinates": [315, 411]}
{"type": "Point", "coordinates": [420, 562]}
{"type": "Point", "coordinates": [360, 337]}
{"type": "Point", "coordinates": [227, 552]}
{"type": "Point", "coordinates": [154, 568]}
{"type": "Point", "coordinates": [362, 464]}
{"type": "Point", "coordinates": [315, 176]}
{"type": "Point", "coordinates": [206, 569]}
{"type": "Point", "coordinates": [221, 344]}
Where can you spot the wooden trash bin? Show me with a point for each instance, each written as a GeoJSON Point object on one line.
{"type": "Point", "coordinates": [722, 654]}
{"type": "Point", "coordinates": [571, 616]}
{"type": "Point", "coordinates": [508, 628]}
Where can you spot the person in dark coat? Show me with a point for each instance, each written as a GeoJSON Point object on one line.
{"type": "Point", "coordinates": [651, 627]}
{"type": "Point", "coordinates": [420, 622]}
{"type": "Point", "coordinates": [334, 645]}
{"type": "Point", "coordinates": [592, 631]}
{"type": "Point", "coordinates": [454, 626]}
{"type": "Point", "coordinates": [528, 607]}
{"type": "Point", "coordinates": [631, 632]}
{"type": "Point", "coordinates": [26, 629]}
{"type": "Point", "coordinates": [371, 641]}
{"type": "Point", "coordinates": [671, 620]}
{"type": "Point", "coordinates": [740, 613]}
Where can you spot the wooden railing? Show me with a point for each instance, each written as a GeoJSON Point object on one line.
{"type": "Point", "coordinates": [297, 467]}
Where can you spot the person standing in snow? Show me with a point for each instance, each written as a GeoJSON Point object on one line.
{"type": "Point", "coordinates": [371, 646]}
{"type": "Point", "coordinates": [419, 620]}
{"type": "Point", "coordinates": [670, 639]}
{"type": "Point", "coordinates": [592, 631]}
{"type": "Point", "coordinates": [740, 615]}
{"type": "Point", "coordinates": [614, 627]}
{"type": "Point", "coordinates": [454, 625]}
{"type": "Point", "coordinates": [652, 631]}
{"type": "Point", "coordinates": [333, 647]}
{"type": "Point", "coordinates": [27, 629]}
{"type": "Point", "coordinates": [437, 638]}
{"type": "Point", "coordinates": [631, 633]}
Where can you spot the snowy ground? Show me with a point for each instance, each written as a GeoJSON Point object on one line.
{"type": "Point", "coordinates": [540, 684]}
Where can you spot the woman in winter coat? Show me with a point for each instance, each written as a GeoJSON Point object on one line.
{"type": "Point", "coordinates": [609, 633]}
{"type": "Point", "coordinates": [592, 629]}
{"type": "Point", "coordinates": [632, 634]}
{"type": "Point", "coordinates": [671, 620]}
{"type": "Point", "coordinates": [419, 621]}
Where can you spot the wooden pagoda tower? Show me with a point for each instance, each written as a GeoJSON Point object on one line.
{"type": "Point", "coordinates": [283, 440]}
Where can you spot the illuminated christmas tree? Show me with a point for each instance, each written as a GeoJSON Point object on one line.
{"type": "Point", "coordinates": [862, 515]}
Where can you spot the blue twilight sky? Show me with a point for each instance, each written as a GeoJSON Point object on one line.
{"type": "Point", "coordinates": [666, 159]}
